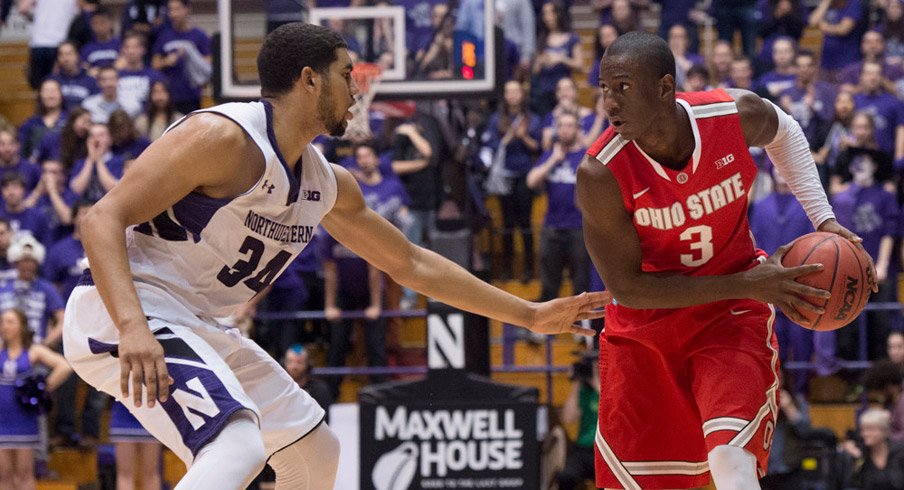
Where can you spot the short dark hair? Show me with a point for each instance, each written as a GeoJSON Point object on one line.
{"type": "Point", "coordinates": [805, 53]}
{"type": "Point", "coordinates": [697, 70]}
{"type": "Point", "coordinates": [12, 177]}
{"type": "Point", "coordinates": [107, 68]}
{"type": "Point", "coordinates": [81, 204]}
{"type": "Point", "coordinates": [141, 37]}
{"type": "Point", "coordinates": [647, 50]}
{"type": "Point", "coordinates": [881, 375]}
{"type": "Point", "coordinates": [290, 48]}
{"type": "Point", "coordinates": [102, 11]}
{"type": "Point", "coordinates": [372, 145]}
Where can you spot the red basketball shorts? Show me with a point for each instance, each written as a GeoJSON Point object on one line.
{"type": "Point", "coordinates": [677, 387]}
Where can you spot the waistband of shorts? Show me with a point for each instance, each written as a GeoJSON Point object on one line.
{"type": "Point", "coordinates": [85, 279]}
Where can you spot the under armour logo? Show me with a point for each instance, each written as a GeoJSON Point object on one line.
{"type": "Point", "coordinates": [268, 187]}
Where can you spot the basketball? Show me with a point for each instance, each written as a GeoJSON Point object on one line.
{"type": "Point", "coordinates": [844, 275]}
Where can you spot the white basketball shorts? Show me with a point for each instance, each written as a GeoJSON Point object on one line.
{"type": "Point", "coordinates": [217, 372]}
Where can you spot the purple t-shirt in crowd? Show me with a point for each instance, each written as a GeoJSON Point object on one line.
{"type": "Point", "coordinates": [851, 73]}
{"type": "Point", "coordinates": [840, 51]}
{"type": "Point", "coordinates": [136, 84]}
{"type": "Point", "coordinates": [290, 278]}
{"type": "Point", "coordinates": [418, 22]}
{"type": "Point", "coordinates": [132, 149]}
{"type": "Point", "coordinates": [352, 270]}
{"type": "Point", "coordinates": [33, 130]}
{"type": "Point", "coordinates": [95, 191]}
{"type": "Point", "coordinates": [310, 257]}
{"type": "Point", "coordinates": [776, 220]}
{"type": "Point", "coordinates": [62, 264]}
{"type": "Point", "coordinates": [56, 229]}
{"type": "Point", "coordinates": [39, 300]}
{"type": "Point", "coordinates": [562, 213]}
{"type": "Point", "coordinates": [586, 123]}
{"type": "Point", "coordinates": [870, 212]}
{"type": "Point", "coordinates": [101, 54]}
{"type": "Point", "coordinates": [30, 219]}
{"type": "Point", "coordinates": [49, 148]}
{"type": "Point", "coordinates": [888, 114]}
{"type": "Point", "coordinates": [386, 198]}
{"type": "Point", "coordinates": [385, 164]}
{"type": "Point", "coordinates": [29, 171]}
{"type": "Point", "coordinates": [548, 77]}
{"type": "Point", "coordinates": [823, 107]}
{"type": "Point", "coordinates": [76, 88]}
{"type": "Point", "coordinates": [171, 40]}
{"type": "Point", "coordinates": [518, 158]}
{"type": "Point", "coordinates": [775, 83]}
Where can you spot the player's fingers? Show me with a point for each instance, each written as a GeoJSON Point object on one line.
{"type": "Point", "coordinates": [871, 274]}
{"type": "Point", "coordinates": [124, 371]}
{"type": "Point", "coordinates": [801, 304]}
{"type": "Point", "coordinates": [137, 378]}
{"type": "Point", "coordinates": [809, 291]}
{"type": "Point", "coordinates": [803, 270]}
{"type": "Point", "coordinates": [602, 303]}
{"type": "Point", "coordinates": [580, 330]}
{"type": "Point", "coordinates": [163, 386]}
{"type": "Point", "coordinates": [780, 252]}
{"type": "Point", "coordinates": [150, 380]}
{"type": "Point", "coordinates": [591, 315]}
{"type": "Point", "coordinates": [599, 298]}
{"type": "Point", "coordinates": [794, 315]}
{"type": "Point", "coordinates": [850, 235]}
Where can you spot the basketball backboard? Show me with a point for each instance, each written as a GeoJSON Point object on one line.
{"type": "Point", "coordinates": [427, 48]}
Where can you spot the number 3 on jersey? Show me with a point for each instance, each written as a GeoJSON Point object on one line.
{"type": "Point", "coordinates": [701, 238]}
{"type": "Point", "coordinates": [230, 276]}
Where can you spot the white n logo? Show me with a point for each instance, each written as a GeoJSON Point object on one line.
{"type": "Point", "coordinates": [446, 341]}
{"type": "Point", "coordinates": [188, 402]}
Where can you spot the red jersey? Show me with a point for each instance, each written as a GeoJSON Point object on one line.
{"type": "Point", "coordinates": [691, 221]}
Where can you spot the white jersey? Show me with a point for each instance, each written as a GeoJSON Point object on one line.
{"type": "Point", "coordinates": [213, 255]}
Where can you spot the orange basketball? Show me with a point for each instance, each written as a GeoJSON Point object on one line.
{"type": "Point", "coordinates": [844, 275]}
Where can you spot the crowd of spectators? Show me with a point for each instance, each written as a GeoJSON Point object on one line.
{"type": "Point", "coordinates": [104, 92]}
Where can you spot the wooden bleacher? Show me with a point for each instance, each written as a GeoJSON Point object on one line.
{"type": "Point", "coordinates": [17, 100]}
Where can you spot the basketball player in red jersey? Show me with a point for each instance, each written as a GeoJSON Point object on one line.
{"type": "Point", "coordinates": [688, 359]}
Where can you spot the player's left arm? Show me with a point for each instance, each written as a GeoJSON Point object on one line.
{"type": "Point", "coordinates": [59, 368]}
{"type": "Point", "coordinates": [765, 124]}
{"type": "Point", "coordinates": [377, 241]}
{"type": "Point", "coordinates": [54, 329]}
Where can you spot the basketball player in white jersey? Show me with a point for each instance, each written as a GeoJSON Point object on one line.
{"type": "Point", "coordinates": [205, 219]}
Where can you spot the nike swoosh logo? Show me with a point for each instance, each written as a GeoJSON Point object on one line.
{"type": "Point", "coordinates": [638, 194]}
{"type": "Point", "coordinates": [739, 312]}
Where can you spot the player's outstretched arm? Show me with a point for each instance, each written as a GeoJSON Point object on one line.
{"type": "Point", "coordinates": [614, 247]}
{"type": "Point", "coordinates": [380, 243]}
{"type": "Point", "coordinates": [205, 153]}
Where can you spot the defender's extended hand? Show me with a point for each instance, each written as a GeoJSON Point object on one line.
{"type": "Point", "coordinates": [561, 315]}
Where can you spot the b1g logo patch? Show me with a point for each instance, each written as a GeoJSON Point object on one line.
{"type": "Point", "coordinates": [310, 195]}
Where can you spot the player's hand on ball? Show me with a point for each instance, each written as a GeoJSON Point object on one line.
{"type": "Point", "coordinates": [561, 315]}
{"type": "Point", "coordinates": [771, 282]}
{"type": "Point", "coordinates": [141, 359]}
{"type": "Point", "coordinates": [832, 226]}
